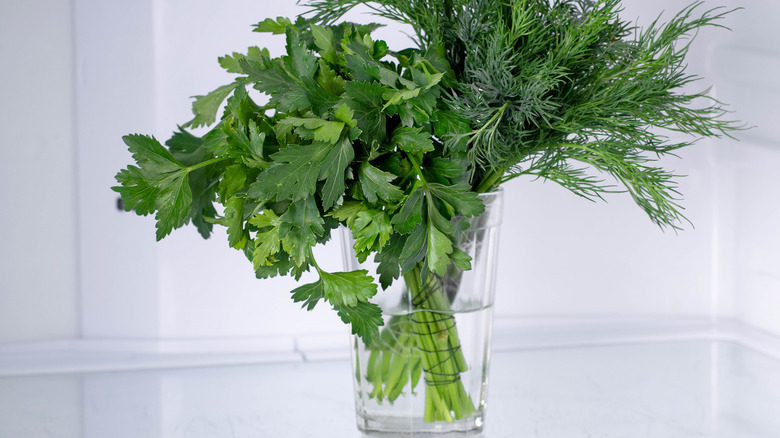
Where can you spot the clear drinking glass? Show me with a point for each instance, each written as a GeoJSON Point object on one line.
{"type": "Point", "coordinates": [428, 372]}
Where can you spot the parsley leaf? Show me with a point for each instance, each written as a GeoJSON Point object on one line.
{"type": "Point", "coordinates": [372, 230]}
{"type": "Point", "coordinates": [159, 184]}
{"type": "Point", "coordinates": [365, 319]}
{"type": "Point", "coordinates": [299, 62]}
{"type": "Point", "coordinates": [414, 250]}
{"type": "Point", "coordinates": [268, 242]}
{"type": "Point", "coordinates": [322, 130]}
{"type": "Point", "coordinates": [206, 107]}
{"type": "Point", "coordinates": [300, 227]}
{"type": "Point", "coordinates": [234, 220]}
{"type": "Point", "coordinates": [347, 288]}
{"type": "Point", "coordinates": [332, 171]}
{"type": "Point", "coordinates": [389, 260]}
{"type": "Point", "coordinates": [460, 197]}
{"type": "Point", "coordinates": [137, 192]}
{"type": "Point", "coordinates": [439, 249]}
{"type": "Point", "coordinates": [348, 293]}
{"type": "Point", "coordinates": [348, 212]}
{"type": "Point", "coordinates": [412, 140]}
{"type": "Point", "coordinates": [410, 213]}
{"type": "Point", "coordinates": [376, 184]}
{"type": "Point", "coordinates": [365, 100]}
{"type": "Point", "coordinates": [276, 27]}
{"type": "Point", "coordinates": [293, 175]}
{"type": "Point", "coordinates": [325, 41]}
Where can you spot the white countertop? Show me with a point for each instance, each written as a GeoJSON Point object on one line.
{"type": "Point", "coordinates": [664, 389]}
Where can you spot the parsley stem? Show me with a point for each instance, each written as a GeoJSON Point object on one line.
{"type": "Point", "coordinates": [437, 340]}
{"type": "Point", "coordinates": [310, 253]}
{"type": "Point", "coordinates": [491, 181]}
{"type": "Point", "coordinates": [205, 163]}
{"type": "Point", "coordinates": [417, 168]}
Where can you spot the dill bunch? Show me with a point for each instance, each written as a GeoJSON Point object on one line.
{"type": "Point", "coordinates": [555, 89]}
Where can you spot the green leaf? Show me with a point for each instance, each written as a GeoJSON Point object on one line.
{"type": "Point", "coordinates": [365, 100]}
{"type": "Point", "coordinates": [371, 231]}
{"type": "Point", "coordinates": [159, 183]}
{"type": "Point", "coordinates": [204, 188]}
{"type": "Point", "coordinates": [272, 79]}
{"type": "Point", "coordinates": [348, 212]}
{"type": "Point", "coordinates": [415, 248]}
{"type": "Point", "coordinates": [439, 249]}
{"type": "Point", "coordinates": [320, 99]}
{"type": "Point", "coordinates": [347, 288]}
{"type": "Point", "coordinates": [389, 260]}
{"type": "Point", "coordinates": [309, 294]}
{"type": "Point", "coordinates": [267, 218]}
{"type": "Point", "coordinates": [256, 142]}
{"type": "Point", "coordinates": [297, 169]}
{"type": "Point", "coordinates": [276, 27]}
{"type": "Point", "coordinates": [450, 169]}
{"type": "Point", "coordinates": [326, 42]}
{"type": "Point", "coordinates": [232, 181]}
{"type": "Point", "coordinates": [300, 226]}
{"type": "Point", "coordinates": [346, 115]}
{"type": "Point", "coordinates": [412, 140]}
{"type": "Point", "coordinates": [348, 293]}
{"type": "Point", "coordinates": [365, 67]}
{"type": "Point", "coordinates": [242, 109]}
{"type": "Point", "coordinates": [300, 61]}
{"type": "Point", "coordinates": [364, 318]}
{"type": "Point", "coordinates": [137, 192]}
{"type": "Point", "coordinates": [173, 204]}
{"type": "Point", "coordinates": [234, 220]}
{"type": "Point", "coordinates": [232, 63]}
{"type": "Point", "coordinates": [151, 156]}
{"type": "Point", "coordinates": [268, 242]}
{"type": "Point", "coordinates": [293, 175]}
{"type": "Point", "coordinates": [394, 98]}
{"type": "Point", "coordinates": [332, 171]}
{"type": "Point", "coordinates": [324, 130]}
{"type": "Point", "coordinates": [184, 143]}
{"type": "Point", "coordinates": [328, 80]}
{"type": "Point", "coordinates": [410, 213]}
{"type": "Point", "coordinates": [460, 197]}
{"type": "Point", "coordinates": [443, 221]}
{"type": "Point", "coordinates": [206, 107]}
{"type": "Point", "coordinates": [448, 123]}
{"type": "Point", "coordinates": [376, 184]}
{"type": "Point", "coordinates": [461, 259]}
{"type": "Point", "coordinates": [425, 79]}
{"type": "Point", "coordinates": [292, 100]}
{"type": "Point", "coordinates": [190, 150]}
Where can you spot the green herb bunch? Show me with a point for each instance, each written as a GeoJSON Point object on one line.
{"type": "Point", "coordinates": [555, 88]}
{"type": "Point", "coordinates": [346, 138]}
{"type": "Point", "coordinates": [397, 146]}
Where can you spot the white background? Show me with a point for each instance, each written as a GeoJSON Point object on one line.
{"type": "Point", "coordinates": [80, 74]}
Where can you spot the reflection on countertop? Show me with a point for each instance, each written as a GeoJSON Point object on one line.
{"type": "Point", "coordinates": [667, 389]}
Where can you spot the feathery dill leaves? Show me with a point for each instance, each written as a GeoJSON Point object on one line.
{"type": "Point", "coordinates": [552, 88]}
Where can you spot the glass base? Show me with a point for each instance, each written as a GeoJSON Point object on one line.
{"type": "Point", "coordinates": [387, 426]}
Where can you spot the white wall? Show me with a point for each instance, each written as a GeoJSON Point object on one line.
{"type": "Point", "coordinates": [115, 91]}
{"type": "Point", "coordinates": [38, 270]}
{"type": "Point", "coordinates": [137, 63]}
{"type": "Point", "coordinates": [746, 66]}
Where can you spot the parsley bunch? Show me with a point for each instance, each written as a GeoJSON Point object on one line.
{"type": "Point", "coordinates": [347, 137]}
